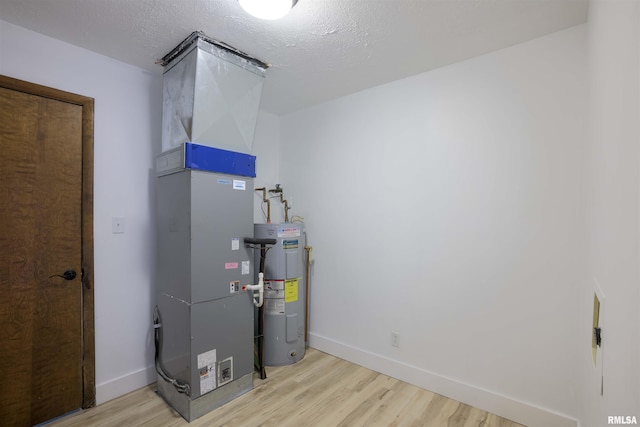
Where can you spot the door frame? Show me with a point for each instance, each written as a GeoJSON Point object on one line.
{"type": "Point", "coordinates": [88, 326]}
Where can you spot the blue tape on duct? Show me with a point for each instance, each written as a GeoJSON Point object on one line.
{"type": "Point", "coordinates": [201, 157]}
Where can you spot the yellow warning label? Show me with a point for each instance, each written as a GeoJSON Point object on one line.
{"type": "Point", "coordinates": [291, 290]}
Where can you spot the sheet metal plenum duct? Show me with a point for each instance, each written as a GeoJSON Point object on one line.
{"type": "Point", "coordinates": [211, 95]}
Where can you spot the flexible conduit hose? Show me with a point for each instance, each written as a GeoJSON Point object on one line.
{"type": "Point", "coordinates": [157, 333]}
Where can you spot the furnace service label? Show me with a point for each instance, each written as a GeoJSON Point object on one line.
{"type": "Point", "coordinates": [246, 267]}
{"type": "Point", "coordinates": [207, 368]}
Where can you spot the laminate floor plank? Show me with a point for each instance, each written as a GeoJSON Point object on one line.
{"type": "Point", "coordinates": [388, 413]}
{"type": "Point", "coordinates": [410, 414]}
{"type": "Point", "coordinates": [320, 390]}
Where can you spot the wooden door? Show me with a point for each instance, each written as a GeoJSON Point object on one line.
{"type": "Point", "coordinates": [43, 197]}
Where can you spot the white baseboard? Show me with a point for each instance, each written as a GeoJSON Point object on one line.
{"type": "Point", "coordinates": [124, 384]}
{"type": "Point", "coordinates": [506, 407]}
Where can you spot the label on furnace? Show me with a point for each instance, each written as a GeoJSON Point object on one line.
{"type": "Point", "coordinates": [207, 370]}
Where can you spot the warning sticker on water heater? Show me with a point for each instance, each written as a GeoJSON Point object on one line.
{"type": "Point", "coordinates": [274, 306]}
{"type": "Point", "coordinates": [289, 244]}
{"type": "Point", "coordinates": [291, 290]}
{"type": "Point", "coordinates": [288, 232]}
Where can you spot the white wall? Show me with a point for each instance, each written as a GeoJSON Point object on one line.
{"type": "Point", "coordinates": [128, 103]}
{"type": "Point", "coordinates": [266, 148]}
{"type": "Point", "coordinates": [613, 197]}
{"type": "Point", "coordinates": [446, 207]}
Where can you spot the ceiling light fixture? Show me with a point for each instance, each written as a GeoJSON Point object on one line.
{"type": "Point", "coordinates": [267, 9]}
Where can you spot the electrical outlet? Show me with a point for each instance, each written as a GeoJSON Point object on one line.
{"type": "Point", "coordinates": [395, 339]}
{"type": "Point", "coordinates": [234, 286]}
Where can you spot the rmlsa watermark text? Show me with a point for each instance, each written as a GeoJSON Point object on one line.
{"type": "Point", "coordinates": [621, 419]}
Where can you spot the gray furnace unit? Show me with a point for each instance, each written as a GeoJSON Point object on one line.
{"type": "Point", "coordinates": [204, 321]}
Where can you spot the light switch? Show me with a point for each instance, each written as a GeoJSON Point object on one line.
{"type": "Point", "coordinates": [117, 225]}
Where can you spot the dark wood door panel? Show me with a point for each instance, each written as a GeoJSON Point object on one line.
{"type": "Point", "coordinates": [41, 236]}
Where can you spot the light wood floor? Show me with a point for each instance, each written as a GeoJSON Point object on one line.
{"type": "Point", "coordinates": [320, 390]}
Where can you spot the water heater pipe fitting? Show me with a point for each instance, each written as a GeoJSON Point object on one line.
{"type": "Point", "coordinates": [278, 189]}
{"type": "Point", "coordinates": [260, 288]}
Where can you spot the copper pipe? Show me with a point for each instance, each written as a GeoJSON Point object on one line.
{"type": "Point", "coordinates": [267, 201]}
{"type": "Point", "coordinates": [268, 211]}
{"type": "Point", "coordinates": [278, 190]}
{"type": "Point", "coordinates": [286, 208]}
{"type": "Point", "coordinates": [308, 250]}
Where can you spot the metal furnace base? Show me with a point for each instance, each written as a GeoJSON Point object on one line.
{"type": "Point", "coordinates": [193, 409]}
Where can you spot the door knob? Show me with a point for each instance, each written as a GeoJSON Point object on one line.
{"type": "Point", "coordinates": [67, 275]}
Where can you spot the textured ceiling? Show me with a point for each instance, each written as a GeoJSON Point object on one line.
{"type": "Point", "coordinates": [321, 50]}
